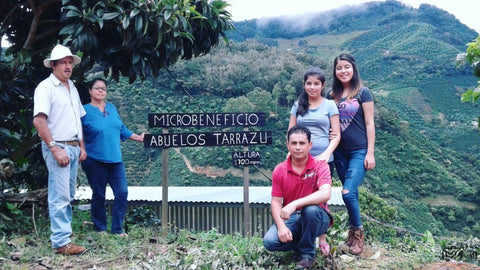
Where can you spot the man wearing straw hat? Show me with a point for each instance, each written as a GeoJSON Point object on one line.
{"type": "Point", "coordinates": [57, 111]}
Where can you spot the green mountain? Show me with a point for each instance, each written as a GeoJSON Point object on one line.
{"type": "Point", "coordinates": [427, 146]}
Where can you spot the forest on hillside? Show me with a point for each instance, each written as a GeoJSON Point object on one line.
{"type": "Point", "coordinates": [426, 148]}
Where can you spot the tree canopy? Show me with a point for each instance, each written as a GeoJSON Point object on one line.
{"type": "Point", "coordinates": [472, 57]}
{"type": "Point", "coordinates": [133, 39]}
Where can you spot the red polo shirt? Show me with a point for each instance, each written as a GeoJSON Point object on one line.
{"type": "Point", "coordinates": [289, 185]}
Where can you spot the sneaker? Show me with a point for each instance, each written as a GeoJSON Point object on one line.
{"type": "Point", "coordinates": [70, 249]}
{"type": "Point", "coordinates": [305, 263]}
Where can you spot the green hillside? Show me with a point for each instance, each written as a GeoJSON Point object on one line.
{"type": "Point", "coordinates": [427, 146]}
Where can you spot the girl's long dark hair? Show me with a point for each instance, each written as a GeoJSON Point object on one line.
{"type": "Point", "coordinates": [303, 103]}
{"type": "Point", "coordinates": [337, 86]}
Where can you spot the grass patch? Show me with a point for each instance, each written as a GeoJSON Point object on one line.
{"type": "Point", "coordinates": [145, 248]}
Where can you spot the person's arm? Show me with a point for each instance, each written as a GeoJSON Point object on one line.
{"type": "Point", "coordinates": [83, 152]}
{"type": "Point", "coordinates": [125, 133]}
{"type": "Point", "coordinates": [40, 123]}
{"type": "Point", "coordinates": [292, 122]}
{"type": "Point", "coordinates": [368, 112]}
{"type": "Point", "coordinates": [322, 195]}
{"type": "Point", "coordinates": [284, 233]}
{"type": "Point", "coordinates": [334, 137]}
{"type": "Point", "coordinates": [138, 138]}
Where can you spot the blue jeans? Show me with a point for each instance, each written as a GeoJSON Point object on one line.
{"type": "Point", "coordinates": [305, 226]}
{"type": "Point", "coordinates": [99, 174]}
{"type": "Point", "coordinates": [351, 171]}
{"type": "Point", "coordinates": [61, 192]}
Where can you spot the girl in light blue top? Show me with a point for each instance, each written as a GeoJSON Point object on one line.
{"type": "Point", "coordinates": [317, 113]}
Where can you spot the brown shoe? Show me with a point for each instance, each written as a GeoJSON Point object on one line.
{"type": "Point", "coordinates": [345, 247]}
{"type": "Point", "coordinates": [358, 242]}
{"type": "Point", "coordinates": [70, 249]}
{"type": "Point", "coordinates": [305, 263]}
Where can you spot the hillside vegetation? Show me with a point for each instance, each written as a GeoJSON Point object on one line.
{"type": "Point", "coordinates": [427, 147]}
{"type": "Point", "coordinates": [420, 204]}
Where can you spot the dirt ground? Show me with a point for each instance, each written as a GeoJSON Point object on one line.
{"type": "Point", "coordinates": [379, 258]}
{"type": "Point", "coordinates": [371, 258]}
{"type": "Point", "coordinates": [450, 266]}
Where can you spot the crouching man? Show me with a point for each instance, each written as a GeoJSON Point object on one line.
{"type": "Point", "coordinates": [301, 187]}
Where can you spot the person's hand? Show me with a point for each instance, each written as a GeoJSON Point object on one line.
{"type": "Point", "coordinates": [286, 211]}
{"type": "Point", "coordinates": [60, 156]}
{"type": "Point", "coordinates": [369, 162]}
{"type": "Point", "coordinates": [138, 138]}
{"type": "Point", "coordinates": [83, 154]}
{"type": "Point", "coordinates": [284, 234]}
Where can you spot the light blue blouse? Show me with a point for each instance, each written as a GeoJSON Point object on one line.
{"type": "Point", "coordinates": [318, 122]}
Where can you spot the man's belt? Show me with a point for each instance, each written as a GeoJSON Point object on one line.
{"type": "Point", "coordinates": [72, 143]}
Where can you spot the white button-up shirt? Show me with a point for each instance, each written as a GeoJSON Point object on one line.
{"type": "Point", "coordinates": [62, 107]}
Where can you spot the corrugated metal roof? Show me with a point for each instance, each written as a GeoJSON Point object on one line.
{"type": "Point", "coordinates": [200, 194]}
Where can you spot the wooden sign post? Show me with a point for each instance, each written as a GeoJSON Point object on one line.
{"type": "Point", "coordinates": [164, 189]}
{"type": "Point", "coordinates": [244, 138]}
{"type": "Point", "coordinates": [246, 197]}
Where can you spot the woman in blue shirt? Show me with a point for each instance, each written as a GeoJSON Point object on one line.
{"type": "Point", "coordinates": [103, 130]}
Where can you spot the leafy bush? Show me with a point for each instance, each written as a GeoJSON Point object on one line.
{"type": "Point", "coordinates": [468, 250]}
{"type": "Point", "coordinates": [16, 219]}
{"type": "Point", "coordinates": [143, 216]}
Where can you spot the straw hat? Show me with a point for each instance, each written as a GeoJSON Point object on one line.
{"type": "Point", "coordinates": [59, 52]}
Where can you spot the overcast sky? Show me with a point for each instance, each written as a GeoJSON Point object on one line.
{"type": "Point", "coordinates": [467, 11]}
